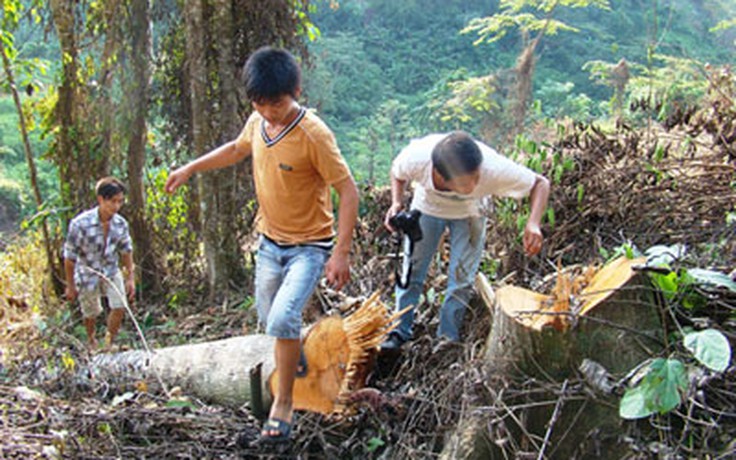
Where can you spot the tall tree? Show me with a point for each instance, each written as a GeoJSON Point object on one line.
{"type": "Point", "coordinates": [218, 37]}
{"type": "Point", "coordinates": [78, 165]}
{"type": "Point", "coordinates": [136, 87]}
{"type": "Point", "coordinates": [8, 53]}
{"type": "Point", "coordinates": [534, 19]}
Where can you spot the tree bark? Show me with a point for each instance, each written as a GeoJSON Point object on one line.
{"type": "Point", "coordinates": [218, 247]}
{"type": "Point", "coordinates": [63, 17]}
{"type": "Point", "coordinates": [218, 372]}
{"type": "Point", "coordinates": [137, 90]}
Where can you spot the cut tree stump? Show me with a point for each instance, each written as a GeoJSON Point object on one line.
{"type": "Point", "coordinates": [613, 324]}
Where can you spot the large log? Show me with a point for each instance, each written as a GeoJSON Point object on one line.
{"type": "Point", "coordinates": [614, 322]}
{"type": "Point", "coordinates": [238, 370]}
{"type": "Point", "coordinates": [217, 372]}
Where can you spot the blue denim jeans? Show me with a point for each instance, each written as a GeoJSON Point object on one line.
{"type": "Point", "coordinates": [467, 239]}
{"type": "Point", "coordinates": [285, 280]}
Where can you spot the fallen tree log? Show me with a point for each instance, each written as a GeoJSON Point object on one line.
{"type": "Point", "coordinates": [538, 346]}
{"type": "Point", "coordinates": [218, 372]}
{"type": "Point", "coordinates": [241, 370]}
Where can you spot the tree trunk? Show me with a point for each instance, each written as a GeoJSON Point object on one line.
{"type": "Point", "coordinates": [63, 17]}
{"type": "Point", "coordinates": [55, 271]}
{"type": "Point", "coordinates": [216, 241]}
{"type": "Point", "coordinates": [218, 372]}
{"type": "Point", "coordinates": [230, 123]}
{"type": "Point", "coordinates": [104, 107]}
{"type": "Point", "coordinates": [617, 334]}
{"type": "Point", "coordinates": [137, 91]}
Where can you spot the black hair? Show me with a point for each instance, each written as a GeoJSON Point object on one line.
{"type": "Point", "coordinates": [108, 187]}
{"type": "Point", "coordinates": [271, 73]}
{"type": "Point", "coordinates": [456, 155]}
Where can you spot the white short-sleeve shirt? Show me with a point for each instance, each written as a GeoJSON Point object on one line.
{"type": "Point", "coordinates": [499, 176]}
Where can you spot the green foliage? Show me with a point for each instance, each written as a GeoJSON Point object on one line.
{"type": "Point", "coordinates": [667, 84]}
{"type": "Point", "coordinates": [665, 379]}
{"type": "Point", "coordinates": [685, 284]}
{"type": "Point", "coordinates": [710, 347]}
{"type": "Point", "coordinates": [528, 16]}
{"type": "Point", "coordinates": [168, 217]}
{"type": "Point", "coordinates": [658, 392]}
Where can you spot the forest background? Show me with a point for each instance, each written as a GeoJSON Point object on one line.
{"type": "Point", "coordinates": [132, 88]}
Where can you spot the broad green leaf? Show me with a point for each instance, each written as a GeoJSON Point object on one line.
{"type": "Point", "coordinates": [711, 277]}
{"type": "Point", "coordinates": [634, 404]}
{"type": "Point", "coordinates": [667, 378]}
{"type": "Point", "coordinates": [710, 347]}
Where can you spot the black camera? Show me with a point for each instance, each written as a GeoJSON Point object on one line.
{"type": "Point", "coordinates": [408, 223]}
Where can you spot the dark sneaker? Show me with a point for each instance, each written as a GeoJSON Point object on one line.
{"type": "Point", "coordinates": [393, 343]}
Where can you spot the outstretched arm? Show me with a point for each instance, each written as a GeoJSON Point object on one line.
{"type": "Point", "coordinates": [538, 198]}
{"type": "Point", "coordinates": [223, 156]}
{"type": "Point", "coordinates": [337, 269]}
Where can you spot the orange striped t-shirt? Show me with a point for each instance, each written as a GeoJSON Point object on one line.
{"type": "Point", "coordinates": [292, 174]}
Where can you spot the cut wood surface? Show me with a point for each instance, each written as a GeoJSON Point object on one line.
{"type": "Point", "coordinates": [612, 321]}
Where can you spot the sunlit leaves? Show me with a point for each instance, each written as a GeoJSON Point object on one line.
{"type": "Point", "coordinates": [528, 16]}
{"type": "Point", "coordinates": [723, 25]}
{"type": "Point", "coordinates": [710, 347]}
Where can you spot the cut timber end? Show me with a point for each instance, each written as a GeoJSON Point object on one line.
{"type": "Point", "coordinates": [338, 352]}
{"type": "Point", "coordinates": [607, 280]}
{"type": "Point", "coordinates": [537, 311]}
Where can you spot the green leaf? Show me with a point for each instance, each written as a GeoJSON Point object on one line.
{"type": "Point", "coordinates": [710, 347]}
{"type": "Point", "coordinates": [180, 403]}
{"type": "Point", "coordinates": [374, 443]}
{"type": "Point", "coordinates": [667, 379]}
{"type": "Point", "coordinates": [634, 404]}
{"type": "Point", "coordinates": [711, 277]}
{"type": "Point", "coordinates": [659, 390]}
{"type": "Point", "coordinates": [668, 284]}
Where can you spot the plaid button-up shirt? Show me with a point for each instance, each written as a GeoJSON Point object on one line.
{"type": "Point", "coordinates": [86, 246]}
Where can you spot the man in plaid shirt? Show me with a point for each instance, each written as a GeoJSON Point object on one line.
{"type": "Point", "coordinates": [98, 239]}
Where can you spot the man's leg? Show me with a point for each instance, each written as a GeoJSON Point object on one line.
{"type": "Point", "coordinates": [302, 269]}
{"type": "Point", "coordinates": [91, 307]}
{"type": "Point", "coordinates": [287, 359]}
{"type": "Point", "coordinates": [91, 324]}
{"type": "Point", "coordinates": [467, 239]}
{"type": "Point", "coordinates": [114, 320]}
{"type": "Point", "coordinates": [117, 302]}
{"type": "Point", "coordinates": [424, 250]}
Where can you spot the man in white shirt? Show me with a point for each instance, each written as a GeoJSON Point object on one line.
{"type": "Point", "coordinates": [452, 173]}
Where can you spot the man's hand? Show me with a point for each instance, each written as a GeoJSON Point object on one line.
{"type": "Point", "coordinates": [337, 270]}
{"type": "Point", "coordinates": [392, 211]}
{"type": "Point", "coordinates": [532, 239]}
{"type": "Point", "coordinates": [130, 288]}
{"type": "Point", "coordinates": [70, 293]}
{"type": "Point", "coordinates": [177, 178]}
